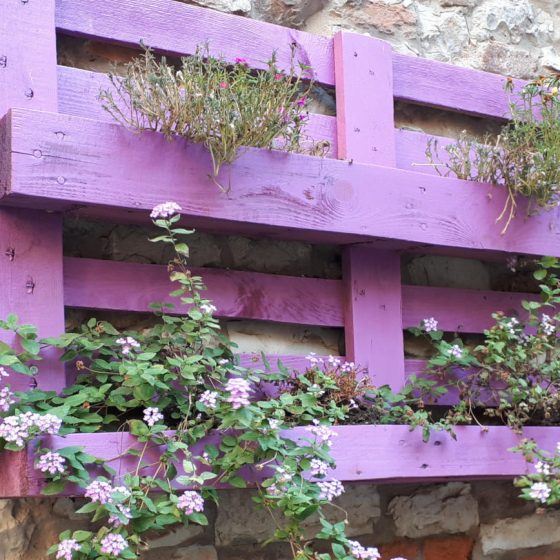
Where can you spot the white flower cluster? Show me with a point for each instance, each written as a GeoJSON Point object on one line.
{"type": "Point", "coordinates": [21, 427]}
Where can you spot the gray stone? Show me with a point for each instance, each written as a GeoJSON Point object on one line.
{"type": "Point", "coordinates": [239, 522]}
{"type": "Point", "coordinates": [530, 531]}
{"type": "Point", "coordinates": [195, 553]}
{"type": "Point", "coordinates": [15, 531]}
{"type": "Point", "coordinates": [231, 6]}
{"type": "Point", "coordinates": [180, 535]}
{"type": "Point", "coordinates": [448, 508]}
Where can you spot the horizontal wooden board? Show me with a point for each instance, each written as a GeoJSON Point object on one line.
{"type": "Point", "coordinates": [437, 84]}
{"type": "Point", "coordinates": [178, 28]}
{"type": "Point", "coordinates": [60, 162]}
{"type": "Point", "coordinates": [98, 284]}
{"type": "Point", "coordinates": [362, 453]}
{"type": "Point", "coordinates": [101, 284]}
{"type": "Point", "coordinates": [78, 90]}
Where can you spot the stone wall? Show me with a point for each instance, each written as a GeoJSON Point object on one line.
{"type": "Point", "coordinates": [456, 521]}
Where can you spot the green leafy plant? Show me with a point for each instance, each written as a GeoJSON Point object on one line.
{"type": "Point", "coordinates": [525, 156]}
{"type": "Point", "coordinates": [513, 376]}
{"type": "Point", "coordinates": [219, 104]}
{"type": "Point", "coordinates": [198, 421]}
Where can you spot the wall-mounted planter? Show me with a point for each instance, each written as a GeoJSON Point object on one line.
{"type": "Point", "coordinates": [62, 163]}
{"type": "Point", "coordinates": [363, 453]}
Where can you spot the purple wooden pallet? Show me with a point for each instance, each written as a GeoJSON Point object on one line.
{"type": "Point", "coordinates": [60, 162]}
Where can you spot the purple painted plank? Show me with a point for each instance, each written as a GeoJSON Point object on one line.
{"type": "Point", "coordinates": [364, 79]}
{"type": "Point", "coordinates": [362, 453]}
{"type": "Point", "coordinates": [78, 91]}
{"type": "Point", "coordinates": [411, 150]}
{"type": "Point", "coordinates": [177, 28]}
{"type": "Point", "coordinates": [98, 284]}
{"type": "Point", "coordinates": [31, 280]}
{"type": "Point", "coordinates": [373, 313]}
{"type": "Point", "coordinates": [100, 165]}
{"type": "Point", "coordinates": [459, 310]}
{"type": "Point", "coordinates": [27, 67]}
{"type": "Point", "coordinates": [444, 85]}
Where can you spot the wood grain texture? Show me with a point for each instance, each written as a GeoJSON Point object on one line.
{"type": "Point", "coordinates": [364, 80]}
{"type": "Point", "coordinates": [87, 163]}
{"type": "Point", "coordinates": [362, 454]}
{"type": "Point", "coordinates": [177, 28]}
{"type": "Point", "coordinates": [27, 55]}
{"type": "Point", "coordinates": [373, 313]}
{"type": "Point", "coordinates": [437, 84]}
{"type": "Point", "coordinates": [98, 284]}
{"type": "Point", "coordinates": [79, 89]}
{"type": "Point", "coordinates": [31, 280]}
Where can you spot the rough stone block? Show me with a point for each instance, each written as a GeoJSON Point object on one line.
{"type": "Point", "coordinates": [530, 531]}
{"type": "Point", "coordinates": [448, 508]}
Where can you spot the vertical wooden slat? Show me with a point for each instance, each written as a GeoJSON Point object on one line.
{"type": "Point", "coordinates": [365, 132]}
{"type": "Point", "coordinates": [30, 240]}
{"type": "Point", "coordinates": [27, 55]}
{"type": "Point", "coordinates": [364, 99]}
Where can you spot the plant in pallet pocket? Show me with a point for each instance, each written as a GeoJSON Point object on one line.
{"type": "Point", "coordinates": [524, 158]}
{"type": "Point", "coordinates": [223, 106]}
{"type": "Point", "coordinates": [200, 422]}
{"type": "Point", "coordinates": [513, 376]}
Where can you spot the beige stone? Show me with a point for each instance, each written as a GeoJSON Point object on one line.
{"type": "Point", "coordinates": [448, 508]}
{"type": "Point", "coordinates": [529, 531]}
{"type": "Point", "coordinates": [195, 553]}
{"type": "Point", "coordinates": [239, 522]}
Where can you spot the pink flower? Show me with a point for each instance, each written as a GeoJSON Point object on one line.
{"type": "Point", "coordinates": [363, 553]}
{"type": "Point", "coordinates": [152, 416]}
{"type": "Point", "coordinates": [99, 491]}
{"type": "Point", "coordinates": [240, 60]}
{"type": "Point", "coordinates": [190, 502]}
{"type": "Point", "coordinates": [278, 77]}
{"type": "Point", "coordinates": [165, 210]}
{"type": "Point", "coordinates": [301, 101]}
{"type": "Point", "coordinates": [113, 544]}
{"type": "Point", "coordinates": [66, 548]}
{"type": "Point", "coordinates": [239, 390]}
{"type": "Point", "coordinates": [224, 85]}
{"type": "Point", "coordinates": [51, 462]}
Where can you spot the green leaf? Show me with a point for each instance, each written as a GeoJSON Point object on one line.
{"type": "Point", "coordinates": [54, 487]}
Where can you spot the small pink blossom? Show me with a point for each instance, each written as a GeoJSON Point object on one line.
{"type": "Point", "coordinates": [113, 544]}
{"type": "Point", "coordinates": [152, 416]}
{"type": "Point", "coordinates": [165, 210]}
{"type": "Point", "coordinates": [362, 553]}
{"type": "Point", "coordinates": [209, 399]}
{"type": "Point", "coordinates": [239, 391]}
{"type": "Point", "coordinates": [430, 324]}
{"type": "Point", "coordinates": [66, 549]}
{"type": "Point", "coordinates": [540, 492]}
{"type": "Point", "coordinates": [330, 489]}
{"type": "Point", "coordinates": [224, 85]}
{"type": "Point", "coordinates": [51, 462]}
{"type": "Point", "coordinates": [99, 491]}
{"type": "Point", "coordinates": [239, 60]}
{"type": "Point", "coordinates": [6, 399]}
{"type": "Point", "coordinates": [190, 502]}
{"type": "Point", "coordinates": [301, 101]}
{"type": "Point", "coordinates": [455, 351]}
{"type": "Point", "coordinates": [278, 77]}
{"type": "Point", "coordinates": [127, 344]}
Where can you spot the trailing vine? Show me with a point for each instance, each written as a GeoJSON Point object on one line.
{"type": "Point", "coordinates": [209, 423]}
